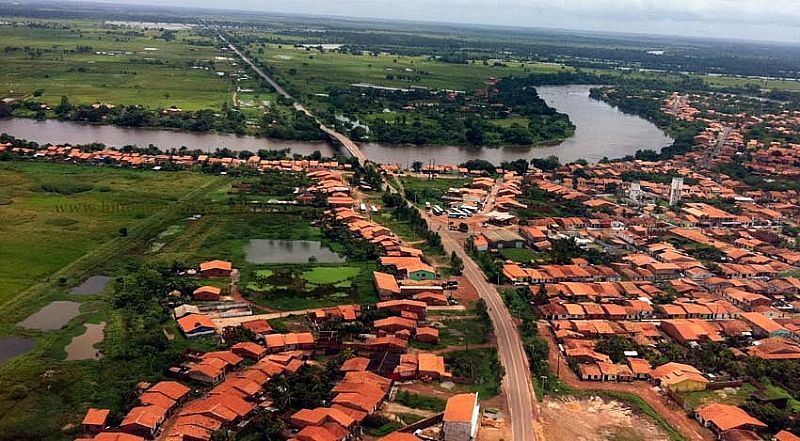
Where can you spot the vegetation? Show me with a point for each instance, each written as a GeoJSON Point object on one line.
{"type": "Point", "coordinates": [418, 401]}
{"type": "Point", "coordinates": [481, 367]}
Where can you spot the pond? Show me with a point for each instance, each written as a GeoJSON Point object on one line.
{"type": "Point", "coordinates": [82, 346]}
{"type": "Point", "coordinates": [601, 131]}
{"type": "Point", "coordinates": [53, 316]}
{"type": "Point", "coordinates": [11, 347]}
{"type": "Point", "coordinates": [261, 251]}
{"type": "Point", "coordinates": [91, 286]}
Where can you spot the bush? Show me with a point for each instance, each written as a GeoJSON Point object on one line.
{"type": "Point", "coordinates": [417, 401]}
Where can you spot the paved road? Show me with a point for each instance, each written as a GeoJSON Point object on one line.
{"type": "Point", "coordinates": [517, 381]}
{"type": "Point", "coordinates": [335, 136]}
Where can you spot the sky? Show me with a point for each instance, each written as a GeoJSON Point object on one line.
{"type": "Point", "coordinates": [770, 20]}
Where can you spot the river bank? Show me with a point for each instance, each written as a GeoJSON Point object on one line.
{"type": "Point", "coordinates": [602, 131]}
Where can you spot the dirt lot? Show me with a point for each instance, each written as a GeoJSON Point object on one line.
{"type": "Point", "coordinates": [595, 419]}
{"type": "Point", "coordinates": [676, 417]}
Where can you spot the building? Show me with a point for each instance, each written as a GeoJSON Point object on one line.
{"type": "Point", "coordinates": [675, 191]}
{"type": "Point", "coordinates": [498, 239]}
{"type": "Point", "coordinates": [386, 285]}
{"type": "Point", "coordinates": [95, 420]}
{"type": "Point", "coordinates": [195, 325]}
{"type": "Point", "coordinates": [207, 293]}
{"type": "Point", "coordinates": [723, 417]}
{"type": "Point", "coordinates": [216, 268]}
{"type": "Point", "coordinates": [679, 377]}
{"type": "Point", "coordinates": [461, 417]}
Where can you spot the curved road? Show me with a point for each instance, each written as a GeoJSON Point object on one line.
{"type": "Point", "coordinates": [517, 380]}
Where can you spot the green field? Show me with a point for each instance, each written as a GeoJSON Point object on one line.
{"type": "Point", "coordinates": [520, 255]}
{"type": "Point", "coordinates": [724, 396]}
{"type": "Point", "coordinates": [61, 224]}
{"type": "Point", "coordinates": [52, 214]}
{"type": "Point", "coordinates": [312, 71]}
{"type": "Point", "coordinates": [89, 62]}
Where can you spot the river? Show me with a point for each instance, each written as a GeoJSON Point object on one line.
{"type": "Point", "coordinates": [601, 131]}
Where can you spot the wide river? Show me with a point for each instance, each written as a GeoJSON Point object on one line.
{"type": "Point", "coordinates": [601, 131]}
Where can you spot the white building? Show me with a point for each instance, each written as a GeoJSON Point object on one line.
{"type": "Point", "coordinates": [461, 417]}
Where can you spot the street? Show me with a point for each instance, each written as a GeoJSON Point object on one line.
{"type": "Point", "coordinates": [517, 384]}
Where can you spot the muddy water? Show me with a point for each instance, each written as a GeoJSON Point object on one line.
{"type": "Point", "coordinates": [262, 251]}
{"type": "Point", "coordinates": [11, 347]}
{"type": "Point", "coordinates": [91, 286]}
{"type": "Point", "coordinates": [82, 346]}
{"type": "Point", "coordinates": [52, 317]}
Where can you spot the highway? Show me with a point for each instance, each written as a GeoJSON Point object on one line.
{"type": "Point", "coordinates": [335, 136]}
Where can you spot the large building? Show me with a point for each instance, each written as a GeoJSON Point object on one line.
{"type": "Point", "coordinates": [461, 417]}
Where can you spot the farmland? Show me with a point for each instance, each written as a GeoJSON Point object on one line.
{"type": "Point", "coordinates": [90, 62]}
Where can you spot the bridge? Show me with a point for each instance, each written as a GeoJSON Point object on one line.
{"type": "Point", "coordinates": [334, 136]}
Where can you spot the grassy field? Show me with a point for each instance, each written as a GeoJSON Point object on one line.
{"type": "Point", "coordinates": [312, 71]}
{"type": "Point", "coordinates": [521, 255]}
{"type": "Point", "coordinates": [430, 190]}
{"type": "Point", "coordinates": [723, 396]}
{"type": "Point", "coordinates": [89, 62]}
{"type": "Point", "coordinates": [62, 223]}
{"type": "Point", "coordinates": [52, 214]}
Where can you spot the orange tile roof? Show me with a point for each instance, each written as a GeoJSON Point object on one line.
{"type": "Point", "coordinates": [460, 407]}
{"type": "Point", "coordinates": [216, 264]}
{"type": "Point", "coordinates": [386, 282]}
{"type": "Point", "coordinates": [171, 389]}
{"type": "Point", "coordinates": [145, 416]}
{"type": "Point", "coordinates": [191, 322]}
{"type": "Point", "coordinates": [96, 417]}
{"type": "Point", "coordinates": [727, 417]}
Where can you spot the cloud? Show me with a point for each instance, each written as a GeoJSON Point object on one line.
{"type": "Point", "coordinates": [754, 19]}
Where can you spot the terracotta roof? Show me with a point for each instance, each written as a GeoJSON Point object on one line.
{"type": "Point", "coordinates": [727, 417]}
{"type": "Point", "coordinates": [145, 416]}
{"type": "Point", "coordinates": [460, 407]}
{"type": "Point", "coordinates": [192, 322]}
{"type": "Point", "coordinates": [171, 389]}
{"type": "Point", "coordinates": [786, 436]}
{"type": "Point", "coordinates": [96, 417]}
{"type": "Point", "coordinates": [355, 364]}
{"type": "Point", "coordinates": [216, 264]}
{"type": "Point", "coordinates": [386, 281]}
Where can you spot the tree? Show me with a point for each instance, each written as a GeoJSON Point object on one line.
{"type": "Point", "coordinates": [456, 264]}
{"type": "Point", "coordinates": [416, 166]}
{"type": "Point", "coordinates": [463, 227]}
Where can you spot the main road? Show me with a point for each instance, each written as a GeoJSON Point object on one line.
{"type": "Point", "coordinates": [335, 136]}
{"type": "Point", "coordinates": [517, 382]}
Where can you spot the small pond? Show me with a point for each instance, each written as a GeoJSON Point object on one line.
{"type": "Point", "coordinates": [10, 347]}
{"type": "Point", "coordinates": [82, 346]}
{"type": "Point", "coordinates": [53, 316]}
{"type": "Point", "coordinates": [91, 286]}
{"type": "Point", "coordinates": [262, 251]}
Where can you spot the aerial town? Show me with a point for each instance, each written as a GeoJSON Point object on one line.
{"type": "Point", "coordinates": [242, 227]}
